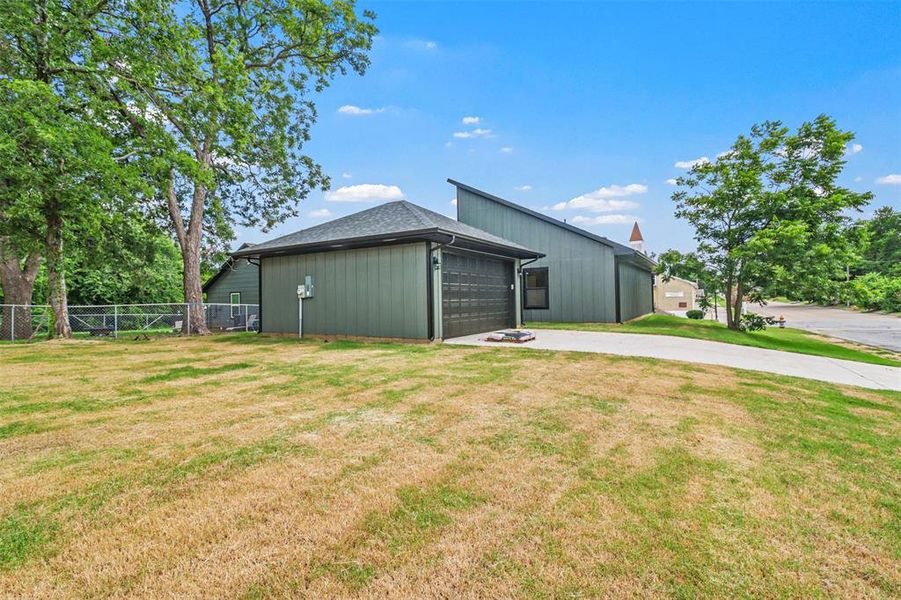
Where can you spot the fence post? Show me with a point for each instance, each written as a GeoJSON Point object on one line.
{"type": "Point", "coordinates": [246, 311]}
{"type": "Point", "coordinates": [115, 320]}
{"type": "Point", "coordinates": [12, 329]}
{"type": "Point", "coordinates": [188, 311]}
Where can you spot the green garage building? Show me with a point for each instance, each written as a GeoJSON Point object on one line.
{"type": "Point", "coordinates": [583, 277]}
{"type": "Point", "coordinates": [396, 270]}
{"type": "Point", "coordinates": [236, 282]}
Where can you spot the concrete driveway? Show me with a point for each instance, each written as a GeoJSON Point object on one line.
{"type": "Point", "coordinates": [872, 329]}
{"type": "Point", "coordinates": [710, 353]}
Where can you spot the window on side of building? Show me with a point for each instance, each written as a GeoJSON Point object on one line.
{"type": "Point", "coordinates": [234, 298]}
{"type": "Point", "coordinates": [535, 288]}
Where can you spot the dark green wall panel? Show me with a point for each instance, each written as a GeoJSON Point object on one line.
{"type": "Point", "coordinates": [242, 277]}
{"type": "Point", "coordinates": [580, 271]}
{"type": "Point", "coordinates": [636, 291]}
{"type": "Point", "coordinates": [378, 292]}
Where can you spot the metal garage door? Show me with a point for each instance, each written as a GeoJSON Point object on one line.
{"type": "Point", "coordinates": [477, 294]}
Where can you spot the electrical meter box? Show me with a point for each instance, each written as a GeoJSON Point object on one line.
{"type": "Point", "coordinates": [305, 289]}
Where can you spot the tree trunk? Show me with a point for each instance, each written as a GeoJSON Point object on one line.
{"type": "Point", "coordinates": [17, 275]}
{"type": "Point", "coordinates": [193, 290]}
{"type": "Point", "coordinates": [727, 289]}
{"type": "Point", "coordinates": [189, 243]}
{"type": "Point", "coordinates": [56, 275]}
{"type": "Point", "coordinates": [737, 305]}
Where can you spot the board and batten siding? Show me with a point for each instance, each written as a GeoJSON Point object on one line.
{"type": "Point", "coordinates": [581, 279]}
{"type": "Point", "coordinates": [375, 292]}
{"type": "Point", "coordinates": [242, 277]}
{"type": "Point", "coordinates": [636, 295]}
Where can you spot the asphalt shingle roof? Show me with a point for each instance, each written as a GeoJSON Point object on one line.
{"type": "Point", "coordinates": [385, 221]}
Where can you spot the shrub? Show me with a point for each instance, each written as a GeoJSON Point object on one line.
{"type": "Point", "coordinates": [752, 322]}
{"type": "Point", "coordinates": [695, 314]}
{"type": "Point", "coordinates": [874, 291]}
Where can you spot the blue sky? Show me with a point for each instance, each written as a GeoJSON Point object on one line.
{"type": "Point", "coordinates": [597, 103]}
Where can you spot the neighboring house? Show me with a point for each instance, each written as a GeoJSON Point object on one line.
{"type": "Point", "coordinates": [396, 270]}
{"type": "Point", "coordinates": [583, 277]}
{"type": "Point", "coordinates": [675, 295]}
{"type": "Point", "coordinates": [236, 282]}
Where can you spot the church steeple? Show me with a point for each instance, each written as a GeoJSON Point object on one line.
{"type": "Point", "coordinates": [636, 240]}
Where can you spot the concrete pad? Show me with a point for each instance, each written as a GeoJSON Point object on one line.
{"type": "Point", "coordinates": [710, 353]}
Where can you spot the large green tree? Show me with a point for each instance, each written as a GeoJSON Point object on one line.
{"type": "Point", "coordinates": [220, 92]}
{"type": "Point", "coordinates": [133, 261]}
{"type": "Point", "coordinates": [60, 174]}
{"type": "Point", "coordinates": [770, 211]}
{"type": "Point", "coordinates": [65, 161]}
{"type": "Point", "coordinates": [878, 243]}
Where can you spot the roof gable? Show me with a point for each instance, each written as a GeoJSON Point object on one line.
{"type": "Point", "coordinates": [227, 266]}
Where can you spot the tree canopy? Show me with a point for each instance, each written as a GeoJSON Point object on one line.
{"type": "Point", "coordinates": [769, 211]}
{"type": "Point", "coordinates": [195, 110]}
{"type": "Point", "coordinates": [220, 93]}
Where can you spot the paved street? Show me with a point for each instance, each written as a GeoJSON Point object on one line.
{"type": "Point", "coordinates": [705, 352]}
{"type": "Point", "coordinates": [872, 329]}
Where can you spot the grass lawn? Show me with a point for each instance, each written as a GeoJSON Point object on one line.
{"type": "Point", "coordinates": [245, 466]}
{"type": "Point", "coordinates": [788, 339]}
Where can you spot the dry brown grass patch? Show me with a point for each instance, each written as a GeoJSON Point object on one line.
{"type": "Point", "coordinates": [248, 467]}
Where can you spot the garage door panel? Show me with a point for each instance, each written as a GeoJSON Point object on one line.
{"type": "Point", "coordinates": [477, 294]}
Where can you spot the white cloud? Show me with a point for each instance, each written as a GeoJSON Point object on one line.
{"type": "Point", "coordinates": [605, 220]}
{"type": "Point", "coordinates": [687, 164]}
{"type": "Point", "coordinates": [858, 179]}
{"type": "Point", "coordinates": [523, 188]}
{"type": "Point", "coordinates": [421, 44]}
{"type": "Point", "coordinates": [471, 120]}
{"type": "Point", "coordinates": [854, 149]}
{"type": "Point", "coordinates": [454, 202]}
{"type": "Point", "coordinates": [346, 175]}
{"type": "Point", "coordinates": [605, 199]}
{"type": "Point", "coordinates": [356, 111]}
{"type": "Point", "coordinates": [723, 154]}
{"type": "Point", "coordinates": [893, 179]}
{"type": "Point", "coordinates": [672, 181]}
{"type": "Point", "coordinates": [478, 132]}
{"type": "Point", "coordinates": [365, 192]}
{"type": "Point", "coordinates": [320, 213]}
{"type": "Point", "coordinates": [506, 149]}
{"type": "Point", "coordinates": [448, 144]}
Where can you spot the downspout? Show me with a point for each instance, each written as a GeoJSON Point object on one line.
{"type": "Point", "coordinates": [523, 264]}
{"type": "Point", "coordinates": [431, 282]}
{"type": "Point", "coordinates": [522, 289]}
{"type": "Point", "coordinates": [616, 291]}
{"type": "Point", "coordinates": [429, 291]}
{"type": "Point", "coordinates": [259, 265]}
{"type": "Point", "coordinates": [450, 243]}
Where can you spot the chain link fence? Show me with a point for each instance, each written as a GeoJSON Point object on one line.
{"type": "Point", "coordinates": [24, 322]}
